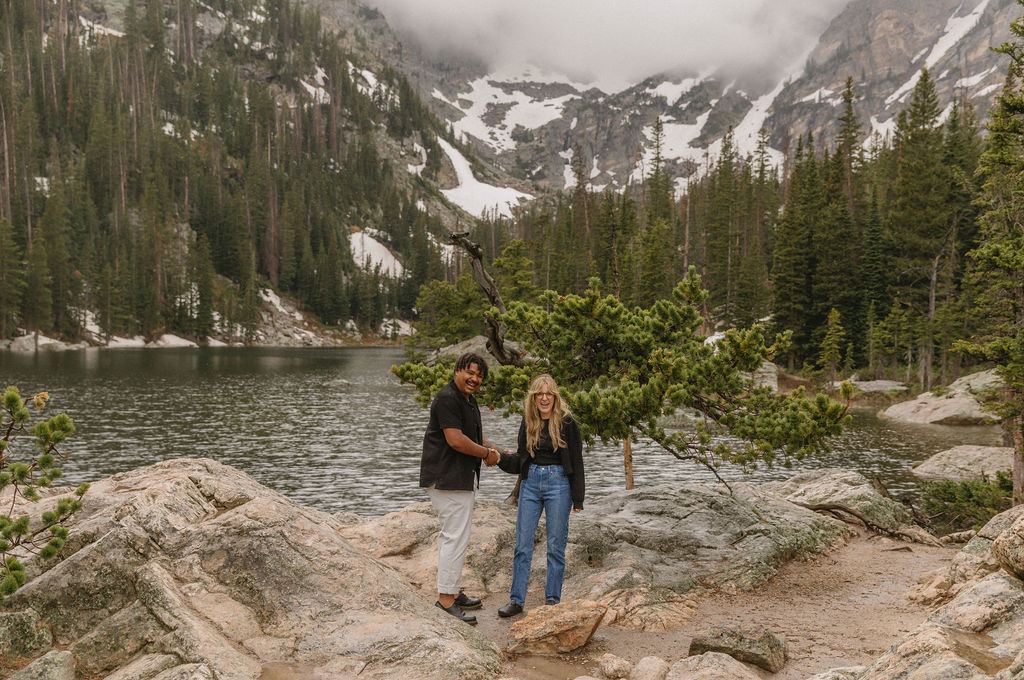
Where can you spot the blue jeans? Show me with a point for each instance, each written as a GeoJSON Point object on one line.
{"type": "Point", "coordinates": [545, 489]}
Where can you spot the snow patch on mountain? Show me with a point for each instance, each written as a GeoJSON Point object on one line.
{"type": "Point", "coordinates": [368, 253]}
{"type": "Point", "coordinates": [971, 81]}
{"type": "Point", "coordinates": [673, 92]}
{"type": "Point", "coordinates": [880, 130]}
{"type": "Point", "coordinates": [676, 144]}
{"type": "Point", "coordinates": [823, 94]}
{"type": "Point", "coordinates": [487, 99]}
{"type": "Point", "coordinates": [747, 132]}
{"type": "Point", "coordinates": [418, 169]}
{"type": "Point", "coordinates": [476, 197]}
{"type": "Point", "coordinates": [986, 91]}
{"type": "Point", "coordinates": [956, 28]}
{"type": "Point", "coordinates": [319, 94]}
{"type": "Point", "coordinates": [568, 177]}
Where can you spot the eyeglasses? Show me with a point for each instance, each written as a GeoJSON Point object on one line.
{"type": "Point", "coordinates": [544, 395]}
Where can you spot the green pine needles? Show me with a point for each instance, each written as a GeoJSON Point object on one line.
{"type": "Point", "coordinates": [20, 481]}
{"type": "Point", "coordinates": [624, 370]}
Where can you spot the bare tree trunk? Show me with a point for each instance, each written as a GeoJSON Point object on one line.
{"type": "Point", "coordinates": [495, 328]}
{"type": "Point", "coordinates": [627, 461]}
{"type": "Point", "coordinates": [6, 183]}
{"type": "Point", "coordinates": [1018, 459]}
{"type": "Point", "coordinates": [927, 349]}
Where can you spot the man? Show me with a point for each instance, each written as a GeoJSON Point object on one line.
{"type": "Point", "coordinates": [453, 448]}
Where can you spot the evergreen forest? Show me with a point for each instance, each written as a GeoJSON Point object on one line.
{"type": "Point", "coordinates": [154, 180]}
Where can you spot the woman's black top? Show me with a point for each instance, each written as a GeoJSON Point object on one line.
{"type": "Point", "coordinates": [570, 457]}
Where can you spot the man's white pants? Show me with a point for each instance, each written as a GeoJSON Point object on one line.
{"type": "Point", "coordinates": [455, 510]}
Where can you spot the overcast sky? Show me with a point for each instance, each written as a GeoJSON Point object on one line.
{"type": "Point", "coordinates": [620, 40]}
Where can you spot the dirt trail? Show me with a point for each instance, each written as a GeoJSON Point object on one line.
{"type": "Point", "coordinates": [840, 609]}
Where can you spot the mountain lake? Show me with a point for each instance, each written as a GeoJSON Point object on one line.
{"type": "Point", "coordinates": [333, 429]}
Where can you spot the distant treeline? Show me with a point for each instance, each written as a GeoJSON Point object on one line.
{"type": "Point", "coordinates": [861, 249]}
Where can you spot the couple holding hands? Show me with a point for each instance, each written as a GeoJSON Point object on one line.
{"type": "Point", "coordinates": [548, 460]}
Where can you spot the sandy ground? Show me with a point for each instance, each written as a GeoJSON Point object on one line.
{"type": "Point", "coordinates": [840, 609]}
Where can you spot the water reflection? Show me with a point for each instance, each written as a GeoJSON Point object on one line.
{"type": "Point", "coordinates": [333, 429]}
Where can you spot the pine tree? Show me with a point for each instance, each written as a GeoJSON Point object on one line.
{"type": "Point", "coordinates": [997, 264]}
{"type": "Point", "coordinates": [514, 273]}
{"type": "Point", "coordinates": [794, 261]}
{"type": "Point", "coordinates": [723, 234]}
{"type": "Point", "coordinates": [832, 346]}
{"type": "Point", "coordinates": [920, 218]}
{"type": "Point", "coordinates": [11, 280]}
{"type": "Point", "coordinates": [659, 182]}
{"type": "Point", "coordinates": [54, 227]}
{"type": "Point", "coordinates": [874, 265]}
{"type": "Point", "coordinates": [37, 302]}
{"type": "Point", "coordinates": [656, 263]}
{"type": "Point", "coordinates": [848, 148]}
{"type": "Point", "coordinates": [202, 276]}
{"type": "Point", "coordinates": [623, 370]}
{"type": "Point", "coordinates": [837, 257]}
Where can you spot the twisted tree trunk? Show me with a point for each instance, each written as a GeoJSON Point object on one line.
{"type": "Point", "coordinates": [495, 328]}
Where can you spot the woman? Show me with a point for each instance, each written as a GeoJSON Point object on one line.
{"type": "Point", "coordinates": [549, 461]}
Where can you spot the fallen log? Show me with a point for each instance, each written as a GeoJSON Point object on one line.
{"type": "Point", "coordinates": [835, 508]}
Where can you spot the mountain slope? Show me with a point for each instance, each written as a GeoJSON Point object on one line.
{"type": "Point", "coordinates": [529, 123]}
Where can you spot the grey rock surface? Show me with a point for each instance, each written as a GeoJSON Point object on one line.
{"type": "Point", "coordinates": [54, 665]}
{"type": "Point", "coordinates": [757, 646]}
{"type": "Point", "coordinates": [647, 554]}
{"type": "Point", "coordinates": [195, 560]}
{"type": "Point", "coordinates": [1008, 548]}
{"type": "Point", "coordinates": [977, 634]}
{"type": "Point", "coordinates": [710, 666]}
{"type": "Point", "coordinates": [844, 673]}
{"type": "Point", "coordinates": [967, 461]}
{"type": "Point", "coordinates": [972, 563]}
{"type": "Point", "coordinates": [960, 404]}
{"type": "Point", "coordinates": [853, 490]}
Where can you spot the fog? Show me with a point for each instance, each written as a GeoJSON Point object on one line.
{"type": "Point", "coordinates": [620, 42]}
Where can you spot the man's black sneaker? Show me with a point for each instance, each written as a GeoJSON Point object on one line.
{"type": "Point", "coordinates": [457, 612]}
{"type": "Point", "coordinates": [511, 609]}
{"type": "Point", "coordinates": [466, 602]}
{"type": "Point", "coordinates": [550, 601]}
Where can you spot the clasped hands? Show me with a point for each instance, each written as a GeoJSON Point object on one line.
{"type": "Point", "coordinates": [493, 456]}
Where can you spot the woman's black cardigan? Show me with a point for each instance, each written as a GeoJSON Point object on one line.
{"type": "Point", "coordinates": [571, 455]}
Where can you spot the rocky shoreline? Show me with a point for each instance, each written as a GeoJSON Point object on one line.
{"type": "Point", "coordinates": [190, 569]}
{"type": "Point", "coordinates": [281, 324]}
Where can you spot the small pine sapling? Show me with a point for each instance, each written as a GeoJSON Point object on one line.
{"type": "Point", "coordinates": [21, 480]}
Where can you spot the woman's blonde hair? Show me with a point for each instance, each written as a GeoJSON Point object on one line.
{"type": "Point", "coordinates": [534, 421]}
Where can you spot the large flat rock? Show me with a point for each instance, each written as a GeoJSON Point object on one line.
{"type": "Point", "coordinates": [959, 404]}
{"type": "Point", "coordinates": [647, 554]}
{"type": "Point", "coordinates": [967, 462]}
{"type": "Point", "coordinates": [194, 560]}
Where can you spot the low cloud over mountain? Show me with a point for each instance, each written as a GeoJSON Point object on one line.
{"type": "Point", "coordinates": [616, 44]}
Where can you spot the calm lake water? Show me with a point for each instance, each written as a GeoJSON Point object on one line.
{"type": "Point", "coordinates": [333, 429]}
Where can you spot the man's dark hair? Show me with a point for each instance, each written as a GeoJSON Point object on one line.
{"type": "Point", "coordinates": [468, 359]}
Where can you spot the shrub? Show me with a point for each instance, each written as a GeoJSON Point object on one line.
{"type": "Point", "coordinates": [958, 506]}
{"type": "Point", "coordinates": [21, 479]}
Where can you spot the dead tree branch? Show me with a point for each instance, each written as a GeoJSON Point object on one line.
{"type": "Point", "coordinates": [495, 329]}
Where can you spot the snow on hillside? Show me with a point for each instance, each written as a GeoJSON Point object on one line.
{"type": "Point", "coordinates": [474, 196]}
{"type": "Point", "coordinates": [418, 168]}
{"type": "Point", "coordinates": [956, 28]}
{"type": "Point", "coordinates": [92, 28]}
{"type": "Point", "coordinates": [673, 91]}
{"type": "Point", "coordinates": [368, 252]}
{"type": "Point", "coordinates": [520, 109]}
